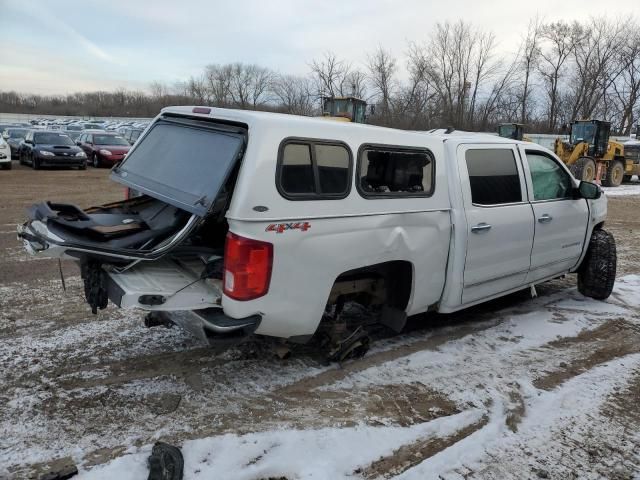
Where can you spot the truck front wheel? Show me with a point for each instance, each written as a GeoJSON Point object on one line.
{"type": "Point", "coordinates": [597, 273]}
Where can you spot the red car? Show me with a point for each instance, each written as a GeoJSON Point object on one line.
{"type": "Point", "coordinates": [103, 149]}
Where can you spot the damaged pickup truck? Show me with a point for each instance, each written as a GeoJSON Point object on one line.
{"type": "Point", "coordinates": [247, 222]}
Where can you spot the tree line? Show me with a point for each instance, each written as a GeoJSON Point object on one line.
{"type": "Point", "coordinates": [457, 77]}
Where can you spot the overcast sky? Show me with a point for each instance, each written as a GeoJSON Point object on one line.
{"type": "Point", "coordinates": [65, 46]}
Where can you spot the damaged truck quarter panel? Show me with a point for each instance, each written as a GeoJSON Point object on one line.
{"type": "Point", "coordinates": [258, 223]}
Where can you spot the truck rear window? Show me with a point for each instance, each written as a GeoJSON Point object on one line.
{"type": "Point", "coordinates": [493, 176]}
{"type": "Point", "coordinates": [182, 163]}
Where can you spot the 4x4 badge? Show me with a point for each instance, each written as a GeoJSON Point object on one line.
{"type": "Point", "coordinates": [281, 227]}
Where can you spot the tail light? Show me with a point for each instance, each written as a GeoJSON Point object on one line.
{"type": "Point", "coordinates": [247, 267]}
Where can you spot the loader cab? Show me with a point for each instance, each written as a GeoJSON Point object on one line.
{"type": "Point", "coordinates": [514, 131]}
{"type": "Point", "coordinates": [346, 109]}
{"type": "Point", "coordinates": [593, 132]}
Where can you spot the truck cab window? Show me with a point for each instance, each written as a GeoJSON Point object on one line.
{"type": "Point", "coordinates": [549, 180]}
{"type": "Point", "coordinates": [493, 176]}
{"type": "Point", "coordinates": [387, 171]}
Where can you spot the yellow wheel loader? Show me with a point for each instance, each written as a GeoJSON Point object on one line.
{"type": "Point", "coordinates": [514, 131]}
{"type": "Point", "coordinates": [344, 109]}
{"type": "Point", "coordinates": [592, 156]}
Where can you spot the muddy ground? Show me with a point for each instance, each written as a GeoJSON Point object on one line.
{"type": "Point", "coordinates": [79, 388]}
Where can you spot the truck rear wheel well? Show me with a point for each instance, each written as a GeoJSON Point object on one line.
{"type": "Point", "coordinates": [387, 283]}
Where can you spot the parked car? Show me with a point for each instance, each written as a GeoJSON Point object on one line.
{"type": "Point", "coordinates": [103, 149]}
{"type": "Point", "coordinates": [74, 134]}
{"type": "Point", "coordinates": [46, 148]}
{"type": "Point", "coordinates": [5, 155]}
{"type": "Point", "coordinates": [132, 134]}
{"type": "Point", "coordinates": [4, 126]}
{"type": "Point", "coordinates": [14, 137]}
{"type": "Point", "coordinates": [253, 222]}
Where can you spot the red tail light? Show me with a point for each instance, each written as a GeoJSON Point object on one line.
{"type": "Point", "coordinates": [247, 267]}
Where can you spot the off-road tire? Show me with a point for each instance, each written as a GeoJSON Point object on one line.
{"type": "Point", "coordinates": [614, 175]}
{"type": "Point", "coordinates": [597, 273]}
{"type": "Point", "coordinates": [584, 169]}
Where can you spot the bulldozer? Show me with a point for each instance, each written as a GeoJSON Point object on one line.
{"type": "Point", "coordinates": [514, 131]}
{"type": "Point", "coordinates": [591, 155]}
{"type": "Point", "coordinates": [344, 109]}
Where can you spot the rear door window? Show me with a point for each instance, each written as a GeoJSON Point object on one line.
{"type": "Point", "coordinates": [493, 176]}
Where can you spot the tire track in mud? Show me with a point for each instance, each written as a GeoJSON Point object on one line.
{"type": "Point", "coordinates": [613, 339]}
{"type": "Point", "coordinates": [408, 456]}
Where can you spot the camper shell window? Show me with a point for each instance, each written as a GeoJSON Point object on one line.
{"type": "Point", "coordinates": [389, 171]}
{"type": "Point", "coordinates": [310, 169]}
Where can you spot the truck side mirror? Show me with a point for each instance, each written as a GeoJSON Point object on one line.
{"type": "Point", "coordinates": [589, 190]}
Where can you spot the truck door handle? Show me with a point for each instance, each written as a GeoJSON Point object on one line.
{"type": "Point", "coordinates": [481, 227]}
{"type": "Point", "coordinates": [546, 218]}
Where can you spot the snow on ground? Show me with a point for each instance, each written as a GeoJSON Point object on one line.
{"type": "Point", "coordinates": [329, 453]}
{"type": "Point", "coordinates": [522, 419]}
{"type": "Point", "coordinates": [624, 190]}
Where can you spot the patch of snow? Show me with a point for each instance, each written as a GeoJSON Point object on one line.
{"type": "Point", "coordinates": [324, 453]}
{"type": "Point", "coordinates": [623, 190]}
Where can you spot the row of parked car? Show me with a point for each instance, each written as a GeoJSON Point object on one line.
{"type": "Point", "coordinates": [72, 144]}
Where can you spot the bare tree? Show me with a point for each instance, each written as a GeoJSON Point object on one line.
{"type": "Point", "coordinates": [529, 55]}
{"type": "Point", "coordinates": [627, 89]}
{"type": "Point", "coordinates": [329, 75]}
{"type": "Point", "coordinates": [560, 39]}
{"type": "Point", "coordinates": [294, 94]}
{"type": "Point", "coordinates": [382, 69]}
{"type": "Point", "coordinates": [598, 63]}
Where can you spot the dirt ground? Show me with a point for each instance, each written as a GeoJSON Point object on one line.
{"type": "Point", "coordinates": [79, 388]}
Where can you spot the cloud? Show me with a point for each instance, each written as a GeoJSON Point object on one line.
{"type": "Point", "coordinates": [45, 16]}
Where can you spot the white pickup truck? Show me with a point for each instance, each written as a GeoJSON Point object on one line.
{"type": "Point", "coordinates": [248, 222]}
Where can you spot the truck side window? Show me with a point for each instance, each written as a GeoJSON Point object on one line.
{"type": "Point", "coordinates": [493, 176]}
{"type": "Point", "coordinates": [313, 169]}
{"type": "Point", "coordinates": [549, 180]}
{"type": "Point", "coordinates": [395, 171]}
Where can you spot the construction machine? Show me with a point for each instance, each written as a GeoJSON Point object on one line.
{"type": "Point", "coordinates": [591, 155]}
{"type": "Point", "coordinates": [514, 131]}
{"type": "Point", "coordinates": [344, 109]}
